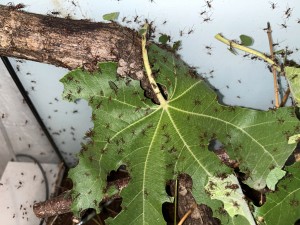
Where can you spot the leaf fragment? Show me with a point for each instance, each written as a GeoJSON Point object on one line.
{"type": "Point", "coordinates": [230, 193]}
{"type": "Point", "coordinates": [246, 40]}
{"type": "Point", "coordinates": [274, 176]}
{"type": "Point", "coordinates": [164, 39]}
{"type": "Point", "coordinates": [111, 16]}
{"type": "Point", "coordinates": [293, 76]}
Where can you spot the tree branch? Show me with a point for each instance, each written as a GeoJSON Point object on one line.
{"type": "Point", "coordinates": [69, 43]}
{"type": "Point", "coordinates": [72, 43]}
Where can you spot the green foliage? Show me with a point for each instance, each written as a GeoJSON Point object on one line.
{"type": "Point", "coordinates": [246, 40]}
{"type": "Point", "coordinates": [111, 16]}
{"type": "Point", "coordinates": [282, 206]}
{"type": "Point", "coordinates": [164, 39]}
{"type": "Point", "coordinates": [293, 76]}
{"type": "Point", "coordinates": [228, 190]}
{"type": "Point", "coordinates": [156, 143]}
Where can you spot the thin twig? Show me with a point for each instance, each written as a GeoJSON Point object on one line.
{"type": "Point", "coordinates": [269, 32]}
{"type": "Point", "coordinates": [175, 201]}
{"type": "Point", "coordinates": [189, 212]}
{"type": "Point", "coordinates": [285, 97]}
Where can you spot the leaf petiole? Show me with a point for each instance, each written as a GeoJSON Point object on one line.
{"type": "Point", "coordinates": [232, 45]}
{"type": "Point", "coordinates": [147, 66]}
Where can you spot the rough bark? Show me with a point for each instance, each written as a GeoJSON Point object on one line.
{"type": "Point", "coordinates": [71, 43]}
{"type": "Point", "coordinates": [55, 206]}
{"type": "Point", "coordinates": [68, 43]}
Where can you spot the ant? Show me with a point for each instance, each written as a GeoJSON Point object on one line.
{"type": "Point", "coordinates": [207, 19]}
{"type": "Point", "coordinates": [208, 3]}
{"type": "Point", "coordinates": [136, 19]}
{"type": "Point", "coordinates": [273, 5]}
{"type": "Point", "coordinates": [283, 25]}
{"type": "Point", "coordinates": [203, 12]}
{"type": "Point", "coordinates": [190, 31]}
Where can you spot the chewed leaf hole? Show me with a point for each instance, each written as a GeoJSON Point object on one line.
{"type": "Point", "coordinates": [182, 190]}
{"type": "Point", "coordinates": [217, 147]}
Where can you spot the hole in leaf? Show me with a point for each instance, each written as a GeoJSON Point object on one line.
{"type": "Point", "coordinates": [294, 157]}
{"type": "Point", "coordinates": [117, 179]}
{"type": "Point", "coordinates": [217, 147]}
{"type": "Point", "coordinates": [258, 198]}
{"type": "Point", "coordinates": [116, 176]}
{"type": "Point", "coordinates": [201, 214]}
{"type": "Point", "coordinates": [297, 222]}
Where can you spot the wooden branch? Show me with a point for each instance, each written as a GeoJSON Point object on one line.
{"type": "Point", "coordinates": [72, 43]}
{"type": "Point", "coordinates": [69, 43]}
{"type": "Point", "coordinates": [55, 206]}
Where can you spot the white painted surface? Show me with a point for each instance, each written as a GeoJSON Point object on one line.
{"type": "Point", "coordinates": [21, 186]}
{"type": "Point", "coordinates": [19, 130]}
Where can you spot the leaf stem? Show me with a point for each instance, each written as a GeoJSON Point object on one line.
{"type": "Point", "coordinates": [269, 32]}
{"type": "Point", "coordinates": [175, 201]}
{"type": "Point", "coordinates": [147, 66]}
{"type": "Point", "coordinates": [232, 44]}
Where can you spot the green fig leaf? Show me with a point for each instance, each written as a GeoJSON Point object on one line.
{"type": "Point", "coordinates": [156, 142]}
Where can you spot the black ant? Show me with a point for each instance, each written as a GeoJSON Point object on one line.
{"type": "Point", "coordinates": [283, 25]}
{"type": "Point", "coordinates": [203, 12]}
{"type": "Point", "coordinates": [164, 22]}
{"type": "Point", "coordinates": [208, 3]}
{"type": "Point", "coordinates": [273, 5]}
{"type": "Point", "coordinates": [55, 13]}
{"type": "Point", "coordinates": [190, 31]}
{"type": "Point", "coordinates": [136, 19]}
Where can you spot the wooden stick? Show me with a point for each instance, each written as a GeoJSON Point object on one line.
{"type": "Point", "coordinates": [189, 212]}
{"type": "Point", "coordinates": [285, 97]}
{"type": "Point", "coordinates": [269, 32]}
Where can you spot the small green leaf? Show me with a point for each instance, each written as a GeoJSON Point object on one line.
{"type": "Point", "coordinates": [246, 40]}
{"type": "Point", "coordinates": [111, 16]}
{"type": "Point", "coordinates": [293, 76]}
{"type": "Point", "coordinates": [274, 176]}
{"type": "Point", "coordinates": [164, 39]}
